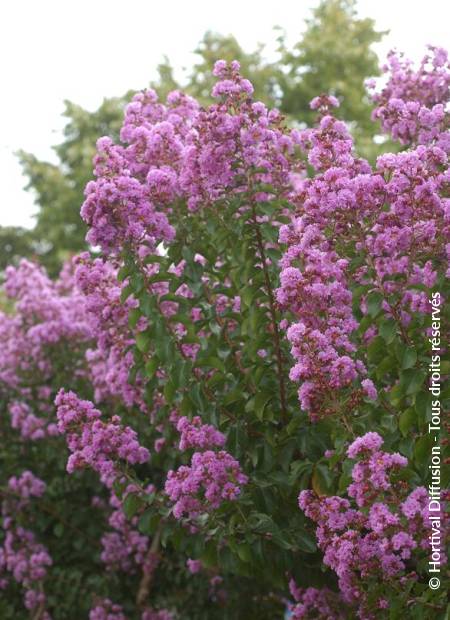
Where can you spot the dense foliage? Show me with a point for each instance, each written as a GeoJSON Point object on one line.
{"type": "Point", "coordinates": [223, 412]}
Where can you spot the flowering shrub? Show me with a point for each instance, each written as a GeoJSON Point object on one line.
{"type": "Point", "coordinates": [379, 540]}
{"type": "Point", "coordinates": [255, 323]}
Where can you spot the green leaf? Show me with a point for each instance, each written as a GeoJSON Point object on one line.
{"type": "Point", "coordinates": [162, 343]}
{"type": "Point", "coordinates": [422, 449]}
{"type": "Point", "coordinates": [134, 317]}
{"type": "Point", "coordinates": [250, 405]}
{"type": "Point", "coordinates": [163, 277]}
{"type": "Point", "coordinates": [232, 397]}
{"type": "Point", "coordinates": [187, 406]}
{"type": "Point", "coordinates": [385, 366]}
{"type": "Point", "coordinates": [321, 480]}
{"type": "Point", "coordinates": [407, 420]}
{"type": "Point", "coordinates": [306, 542]}
{"type": "Point", "coordinates": [137, 282]}
{"type": "Point", "coordinates": [209, 555]}
{"type": "Point", "coordinates": [422, 405]}
{"type": "Point", "coordinates": [126, 292]}
{"type": "Point", "coordinates": [244, 552]}
{"type": "Point", "coordinates": [407, 356]}
{"type": "Point", "coordinates": [169, 392]}
{"type": "Point", "coordinates": [262, 523]}
{"type": "Point", "coordinates": [211, 362]}
{"type": "Point", "coordinates": [299, 469]}
{"type": "Point", "coordinates": [151, 367]}
{"type": "Point", "coordinates": [237, 439]}
{"type": "Point", "coordinates": [248, 296]}
{"type": "Point", "coordinates": [123, 273]}
{"type": "Point", "coordinates": [261, 401]}
{"type": "Point", "coordinates": [143, 341]}
{"type": "Point", "coordinates": [154, 258]}
{"type": "Point", "coordinates": [182, 373]}
{"type": "Point", "coordinates": [131, 505]}
{"type": "Point", "coordinates": [388, 330]}
{"type": "Point", "coordinates": [412, 380]}
{"type": "Point", "coordinates": [376, 351]}
{"type": "Point", "coordinates": [374, 301]}
{"type": "Point", "coordinates": [148, 522]}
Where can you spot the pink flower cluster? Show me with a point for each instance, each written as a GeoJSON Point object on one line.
{"type": "Point", "coordinates": [314, 284]}
{"type": "Point", "coordinates": [324, 102]}
{"type": "Point", "coordinates": [21, 557]}
{"type": "Point", "coordinates": [412, 105]}
{"type": "Point", "coordinates": [125, 548]}
{"type": "Point", "coordinates": [211, 479]}
{"type": "Point", "coordinates": [179, 151]}
{"type": "Point", "coordinates": [49, 320]}
{"type": "Point", "coordinates": [24, 558]}
{"type": "Point", "coordinates": [94, 443]}
{"type": "Point", "coordinates": [385, 536]}
{"type": "Point", "coordinates": [27, 485]}
{"type": "Point", "coordinates": [105, 609]}
{"type": "Point", "coordinates": [28, 424]}
{"type": "Point", "coordinates": [396, 217]}
{"type": "Point", "coordinates": [314, 603]}
{"type": "Point", "coordinates": [231, 139]}
{"type": "Point", "coordinates": [231, 84]}
{"type": "Point", "coordinates": [137, 182]}
{"type": "Point", "coordinates": [194, 434]}
{"type": "Point", "coordinates": [321, 338]}
{"type": "Point", "coordinates": [118, 206]}
{"type": "Point", "coordinates": [111, 359]}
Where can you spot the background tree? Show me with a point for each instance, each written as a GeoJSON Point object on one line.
{"type": "Point", "coordinates": [166, 81]}
{"type": "Point", "coordinates": [58, 188]}
{"type": "Point", "coordinates": [265, 76]}
{"type": "Point", "coordinates": [15, 242]}
{"type": "Point", "coordinates": [333, 56]}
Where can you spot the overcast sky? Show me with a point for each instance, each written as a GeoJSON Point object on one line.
{"type": "Point", "coordinates": [53, 50]}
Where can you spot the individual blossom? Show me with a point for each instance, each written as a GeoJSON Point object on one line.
{"type": "Point", "coordinates": [369, 389]}
{"type": "Point", "coordinates": [194, 566]}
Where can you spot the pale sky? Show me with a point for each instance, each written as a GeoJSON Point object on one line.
{"type": "Point", "coordinates": [53, 50]}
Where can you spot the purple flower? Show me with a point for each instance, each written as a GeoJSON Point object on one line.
{"type": "Point", "coordinates": [370, 442]}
